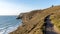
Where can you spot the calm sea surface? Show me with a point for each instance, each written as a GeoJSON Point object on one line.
{"type": "Point", "coordinates": [8, 24]}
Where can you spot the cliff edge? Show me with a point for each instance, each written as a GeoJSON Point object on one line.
{"type": "Point", "coordinates": [36, 21]}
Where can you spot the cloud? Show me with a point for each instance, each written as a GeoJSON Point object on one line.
{"type": "Point", "coordinates": [12, 9]}
{"type": "Point", "coordinates": [8, 8]}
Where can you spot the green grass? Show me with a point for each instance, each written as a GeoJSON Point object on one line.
{"type": "Point", "coordinates": [55, 19]}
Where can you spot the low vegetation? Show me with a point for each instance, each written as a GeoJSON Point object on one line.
{"type": "Point", "coordinates": [55, 19]}
{"type": "Point", "coordinates": [33, 21]}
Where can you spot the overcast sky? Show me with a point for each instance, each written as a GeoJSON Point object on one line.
{"type": "Point", "coordinates": [14, 7]}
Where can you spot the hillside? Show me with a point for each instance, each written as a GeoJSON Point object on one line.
{"type": "Point", "coordinates": [40, 21]}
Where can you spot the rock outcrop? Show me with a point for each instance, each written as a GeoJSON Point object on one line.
{"type": "Point", "coordinates": [34, 22]}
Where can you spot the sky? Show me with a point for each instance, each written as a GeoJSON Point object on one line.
{"type": "Point", "coordinates": [15, 7]}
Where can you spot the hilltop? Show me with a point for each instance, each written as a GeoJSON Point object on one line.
{"type": "Point", "coordinates": [36, 21]}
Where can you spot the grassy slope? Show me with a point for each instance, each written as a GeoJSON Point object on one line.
{"type": "Point", "coordinates": [33, 21]}
{"type": "Point", "coordinates": [55, 19]}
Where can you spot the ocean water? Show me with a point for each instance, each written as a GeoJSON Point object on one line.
{"type": "Point", "coordinates": [9, 24]}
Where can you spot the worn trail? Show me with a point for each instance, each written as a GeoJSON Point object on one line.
{"type": "Point", "coordinates": [49, 26]}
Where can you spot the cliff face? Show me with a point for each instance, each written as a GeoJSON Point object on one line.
{"type": "Point", "coordinates": [35, 21]}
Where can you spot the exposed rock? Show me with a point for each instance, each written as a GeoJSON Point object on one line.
{"type": "Point", "coordinates": [34, 21]}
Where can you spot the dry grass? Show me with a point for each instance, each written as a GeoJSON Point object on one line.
{"type": "Point", "coordinates": [33, 21]}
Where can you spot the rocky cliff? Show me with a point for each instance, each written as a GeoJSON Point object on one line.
{"type": "Point", "coordinates": [39, 21]}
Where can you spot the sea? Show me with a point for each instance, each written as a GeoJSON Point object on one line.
{"type": "Point", "coordinates": [9, 24]}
